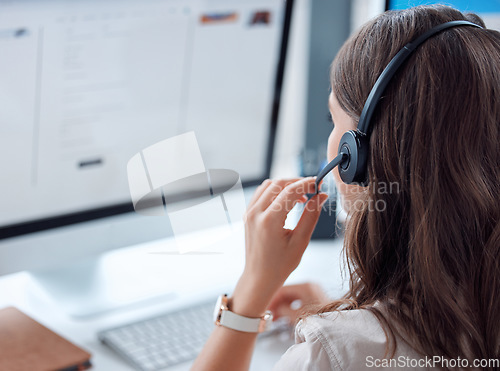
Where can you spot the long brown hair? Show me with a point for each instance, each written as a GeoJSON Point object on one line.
{"type": "Point", "coordinates": [431, 258]}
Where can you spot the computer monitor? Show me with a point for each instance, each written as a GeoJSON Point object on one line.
{"type": "Point", "coordinates": [85, 85]}
{"type": "Point", "coordinates": [489, 10]}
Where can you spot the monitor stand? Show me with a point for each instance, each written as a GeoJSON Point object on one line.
{"type": "Point", "coordinates": [95, 286]}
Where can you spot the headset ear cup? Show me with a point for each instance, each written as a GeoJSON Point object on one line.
{"type": "Point", "coordinates": [354, 170]}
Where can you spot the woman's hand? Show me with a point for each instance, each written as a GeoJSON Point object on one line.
{"type": "Point", "coordinates": [290, 300]}
{"type": "Point", "coordinates": [273, 252]}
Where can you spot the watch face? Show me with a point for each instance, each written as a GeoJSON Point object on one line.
{"type": "Point", "coordinates": [218, 308]}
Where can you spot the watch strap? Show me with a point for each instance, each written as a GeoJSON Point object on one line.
{"type": "Point", "coordinates": [240, 323]}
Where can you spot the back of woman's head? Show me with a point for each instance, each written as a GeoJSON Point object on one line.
{"type": "Point", "coordinates": [426, 240]}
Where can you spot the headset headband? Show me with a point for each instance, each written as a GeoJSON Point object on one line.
{"type": "Point", "coordinates": [393, 66]}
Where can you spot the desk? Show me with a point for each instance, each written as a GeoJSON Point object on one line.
{"type": "Point", "coordinates": [321, 263]}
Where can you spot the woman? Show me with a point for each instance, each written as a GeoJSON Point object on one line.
{"type": "Point", "coordinates": [425, 269]}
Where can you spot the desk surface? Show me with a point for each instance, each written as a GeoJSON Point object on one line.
{"type": "Point", "coordinates": [321, 263]}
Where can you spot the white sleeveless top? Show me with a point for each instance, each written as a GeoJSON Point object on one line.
{"type": "Point", "coordinates": [346, 340]}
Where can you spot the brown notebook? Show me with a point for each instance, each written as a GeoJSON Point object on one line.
{"type": "Point", "coordinates": [27, 345]}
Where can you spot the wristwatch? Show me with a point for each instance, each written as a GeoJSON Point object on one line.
{"type": "Point", "coordinates": [224, 317]}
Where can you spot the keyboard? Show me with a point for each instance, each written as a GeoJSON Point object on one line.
{"type": "Point", "coordinates": [163, 341]}
{"type": "Point", "coordinates": [169, 339]}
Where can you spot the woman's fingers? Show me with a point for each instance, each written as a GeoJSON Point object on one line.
{"type": "Point", "coordinates": [305, 227]}
{"type": "Point", "coordinates": [285, 295]}
{"type": "Point", "coordinates": [280, 305]}
{"type": "Point", "coordinates": [270, 193]}
{"type": "Point", "coordinates": [258, 192]}
{"type": "Point", "coordinates": [286, 310]}
{"type": "Point", "coordinates": [289, 300]}
{"type": "Point", "coordinates": [288, 197]}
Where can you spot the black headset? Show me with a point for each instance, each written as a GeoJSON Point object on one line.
{"type": "Point", "coordinates": [352, 155]}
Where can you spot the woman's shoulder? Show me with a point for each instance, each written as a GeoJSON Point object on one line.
{"type": "Point", "coordinates": [345, 340]}
{"type": "Point", "coordinates": [342, 326]}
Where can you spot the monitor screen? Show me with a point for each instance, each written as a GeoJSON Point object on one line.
{"type": "Point", "coordinates": [489, 10]}
{"type": "Point", "coordinates": [87, 84]}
